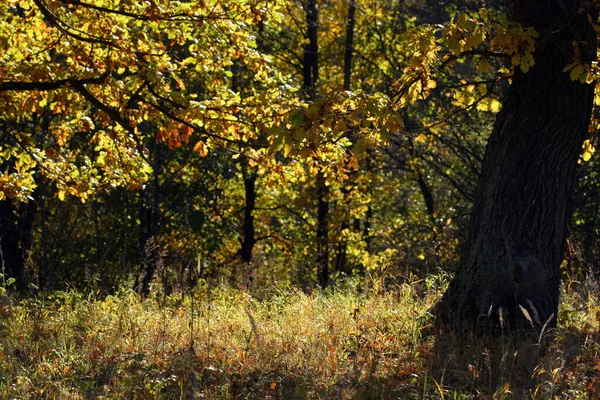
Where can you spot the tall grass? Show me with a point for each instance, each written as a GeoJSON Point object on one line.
{"type": "Point", "coordinates": [222, 343]}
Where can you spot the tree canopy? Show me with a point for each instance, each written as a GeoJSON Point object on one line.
{"type": "Point", "coordinates": [188, 139]}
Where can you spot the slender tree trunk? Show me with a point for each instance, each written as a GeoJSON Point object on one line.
{"type": "Point", "coordinates": [426, 191]}
{"type": "Point", "coordinates": [311, 76]}
{"type": "Point", "coordinates": [144, 237]}
{"type": "Point", "coordinates": [349, 45]}
{"type": "Point", "coordinates": [44, 275]}
{"type": "Point", "coordinates": [367, 229]}
{"type": "Point", "coordinates": [341, 258]}
{"type": "Point", "coordinates": [99, 246]}
{"type": "Point", "coordinates": [249, 239]}
{"type": "Point", "coordinates": [149, 224]}
{"type": "Point", "coordinates": [11, 261]}
{"type": "Point", "coordinates": [427, 196]}
{"type": "Point", "coordinates": [368, 220]}
{"type": "Point", "coordinates": [249, 175]}
{"type": "Point", "coordinates": [322, 231]}
{"type": "Point", "coordinates": [311, 49]}
{"type": "Point", "coordinates": [16, 223]}
{"type": "Point", "coordinates": [518, 224]}
{"type": "Point", "coordinates": [27, 215]}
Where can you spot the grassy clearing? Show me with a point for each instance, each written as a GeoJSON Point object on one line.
{"type": "Point", "coordinates": [223, 343]}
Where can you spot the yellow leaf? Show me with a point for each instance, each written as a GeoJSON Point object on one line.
{"type": "Point", "coordinates": [200, 148]}
{"type": "Point", "coordinates": [495, 105]}
{"type": "Point", "coordinates": [588, 150]}
{"type": "Point", "coordinates": [488, 104]}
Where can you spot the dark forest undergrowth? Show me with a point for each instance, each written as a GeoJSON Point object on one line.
{"type": "Point", "coordinates": [222, 343]}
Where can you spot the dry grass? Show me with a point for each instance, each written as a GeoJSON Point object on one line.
{"type": "Point", "coordinates": [226, 344]}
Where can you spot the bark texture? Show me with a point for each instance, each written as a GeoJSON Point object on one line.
{"type": "Point", "coordinates": [519, 219]}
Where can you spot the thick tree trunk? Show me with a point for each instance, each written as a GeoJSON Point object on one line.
{"type": "Point", "coordinates": [518, 224]}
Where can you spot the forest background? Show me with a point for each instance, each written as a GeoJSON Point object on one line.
{"type": "Point", "coordinates": [261, 145]}
{"type": "Point", "coordinates": [189, 140]}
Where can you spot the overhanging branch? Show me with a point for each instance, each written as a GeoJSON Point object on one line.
{"type": "Point", "coordinates": [111, 112]}
{"type": "Point", "coordinates": [67, 29]}
{"type": "Point", "coordinates": [51, 85]}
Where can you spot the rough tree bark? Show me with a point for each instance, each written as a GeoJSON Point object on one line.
{"type": "Point", "coordinates": [518, 225]}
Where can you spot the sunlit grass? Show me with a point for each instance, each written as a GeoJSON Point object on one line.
{"type": "Point", "coordinates": [223, 343]}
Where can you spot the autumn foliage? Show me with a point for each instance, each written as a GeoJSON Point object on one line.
{"type": "Point", "coordinates": [251, 147]}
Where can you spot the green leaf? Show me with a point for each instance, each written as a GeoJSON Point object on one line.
{"type": "Point", "coordinates": [297, 119]}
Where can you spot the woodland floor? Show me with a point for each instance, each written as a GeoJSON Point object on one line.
{"type": "Point", "coordinates": [223, 343]}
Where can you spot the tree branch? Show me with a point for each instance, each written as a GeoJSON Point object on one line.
{"type": "Point", "coordinates": [195, 128]}
{"type": "Point", "coordinates": [111, 112]}
{"type": "Point", "coordinates": [145, 17]}
{"type": "Point", "coordinates": [51, 85]}
{"type": "Point", "coordinates": [107, 10]}
{"type": "Point", "coordinates": [484, 53]}
{"type": "Point", "coordinates": [68, 29]}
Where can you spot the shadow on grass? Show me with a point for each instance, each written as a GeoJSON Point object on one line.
{"type": "Point", "coordinates": [562, 363]}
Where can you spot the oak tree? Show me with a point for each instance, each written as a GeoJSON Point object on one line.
{"type": "Point", "coordinates": [510, 268]}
